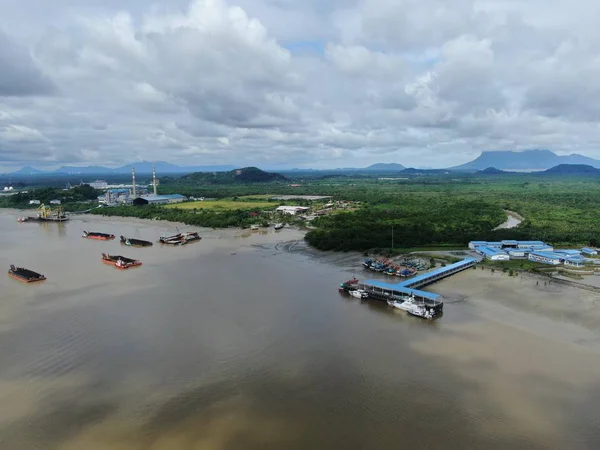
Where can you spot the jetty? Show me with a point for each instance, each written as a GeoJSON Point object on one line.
{"type": "Point", "coordinates": [381, 290]}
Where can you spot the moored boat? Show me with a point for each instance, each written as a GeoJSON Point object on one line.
{"type": "Point", "coordinates": [190, 236]}
{"type": "Point", "coordinates": [135, 242]}
{"type": "Point", "coordinates": [97, 236]}
{"type": "Point", "coordinates": [180, 238]}
{"type": "Point", "coordinates": [120, 262]}
{"type": "Point", "coordinates": [25, 275]}
{"type": "Point", "coordinates": [359, 293]}
{"type": "Point", "coordinates": [349, 285]}
{"type": "Point", "coordinates": [413, 307]}
{"type": "Point", "coordinates": [278, 226]}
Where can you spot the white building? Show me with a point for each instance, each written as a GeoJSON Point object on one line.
{"type": "Point", "coordinates": [292, 210]}
{"type": "Point", "coordinates": [34, 202]}
{"type": "Point", "coordinates": [99, 184]}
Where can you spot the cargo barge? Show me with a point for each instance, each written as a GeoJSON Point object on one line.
{"type": "Point", "coordinates": [120, 262]}
{"type": "Point", "coordinates": [25, 275]}
{"type": "Point", "coordinates": [98, 236]}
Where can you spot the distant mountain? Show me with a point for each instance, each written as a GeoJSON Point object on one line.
{"type": "Point", "coordinates": [572, 169]}
{"type": "Point", "coordinates": [245, 175]}
{"type": "Point", "coordinates": [142, 167]}
{"type": "Point", "coordinates": [413, 171]}
{"type": "Point", "coordinates": [491, 171]}
{"type": "Point", "coordinates": [525, 160]}
{"type": "Point", "coordinates": [165, 167]}
{"type": "Point", "coordinates": [28, 171]}
{"type": "Point", "coordinates": [69, 170]}
{"type": "Point", "coordinates": [385, 167]}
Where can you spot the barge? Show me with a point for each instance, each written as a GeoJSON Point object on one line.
{"type": "Point", "coordinates": [25, 275]}
{"type": "Point", "coordinates": [98, 236]}
{"type": "Point", "coordinates": [135, 242]}
{"type": "Point", "coordinates": [120, 262]}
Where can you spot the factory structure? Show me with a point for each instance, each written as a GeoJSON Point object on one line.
{"type": "Point", "coordinates": [536, 251]}
{"type": "Point", "coordinates": [132, 194]}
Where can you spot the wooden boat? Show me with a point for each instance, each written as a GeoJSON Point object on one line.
{"type": "Point", "coordinates": [25, 275]}
{"type": "Point", "coordinates": [120, 262]}
{"type": "Point", "coordinates": [190, 237]}
{"type": "Point", "coordinates": [98, 236]}
{"type": "Point", "coordinates": [135, 242]}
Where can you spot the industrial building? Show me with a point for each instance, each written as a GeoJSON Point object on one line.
{"type": "Point", "coordinates": [510, 244]}
{"type": "Point", "coordinates": [292, 210]}
{"type": "Point", "coordinates": [571, 258]}
{"type": "Point", "coordinates": [492, 254]}
{"type": "Point", "coordinates": [589, 251]}
{"type": "Point", "coordinates": [158, 199]}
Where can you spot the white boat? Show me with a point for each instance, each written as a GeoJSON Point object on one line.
{"type": "Point", "coordinates": [359, 293]}
{"type": "Point", "coordinates": [254, 227]}
{"type": "Point", "coordinates": [278, 226]}
{"type": "Point", "coordinates": [412, 306]}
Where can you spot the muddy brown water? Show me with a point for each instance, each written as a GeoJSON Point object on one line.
{"type": "Point", "coordinates": [236, 342]}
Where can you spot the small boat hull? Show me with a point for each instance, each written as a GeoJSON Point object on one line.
{"type": "Point", "coordinates": [120, 262]}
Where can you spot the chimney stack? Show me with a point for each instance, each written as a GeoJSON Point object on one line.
{"type": "Point", "coordinates": [133, 178]}
{"type": "Point", "coordinates": [154, 179]}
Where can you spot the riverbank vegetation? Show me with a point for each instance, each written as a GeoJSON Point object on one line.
{"type": "Point", "coordinates": [420, 211]}
{"type": "Point", "coordinates": [77, 198]}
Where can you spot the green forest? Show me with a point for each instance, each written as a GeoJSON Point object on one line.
{"type": "Point", "coordinates": [413, 211]}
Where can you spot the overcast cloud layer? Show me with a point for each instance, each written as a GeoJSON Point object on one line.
{"type": "Point", "coordinates": [284, 83]}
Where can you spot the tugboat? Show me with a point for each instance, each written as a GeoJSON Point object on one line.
{"type": "Point", "coordinates": [135, 242]}
{"type": "Point", "coordinates": [25, 275]}
{"type": "Point", "coordinates": [120, 262]}
{"type": "Point", "coordinates": [98, 236]}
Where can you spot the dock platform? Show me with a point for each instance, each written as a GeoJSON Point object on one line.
{"type": "Point", "coordinates": [388, 291]}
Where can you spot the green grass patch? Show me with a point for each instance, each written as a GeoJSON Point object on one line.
{"type": "Point", "coordinates": [225, 205]}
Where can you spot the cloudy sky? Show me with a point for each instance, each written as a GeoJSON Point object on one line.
{"type": "Point", "coordinates": [288, 83]}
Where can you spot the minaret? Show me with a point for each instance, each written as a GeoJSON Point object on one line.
{"type": "Point", "coordinates": [133, 177]}
{"type": "Point", "coordinates": [154, 179]}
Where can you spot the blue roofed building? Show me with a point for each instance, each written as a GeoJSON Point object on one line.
{"type": "Point", "coordinates": [589, 251]}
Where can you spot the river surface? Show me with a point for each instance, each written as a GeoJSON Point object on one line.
{"type": "Point", "coordinates": [236, 342]}
{"type": "Point", "coordinates": [512, 221]}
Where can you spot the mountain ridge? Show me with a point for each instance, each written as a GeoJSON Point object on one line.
{"type": "Point", "coordinates": [524, 160]}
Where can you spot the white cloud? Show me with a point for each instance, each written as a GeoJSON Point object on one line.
{"type": "Point", "coordinates": [428, 82]}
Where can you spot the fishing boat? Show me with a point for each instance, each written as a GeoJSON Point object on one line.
{"type": "Point", "coordinates": [135, 242]}
{"type": "Point", "coordinates": [349, 285]}
{"type": "Point", "coordinates": [359, 293]}
{"type": "Point", "coordinates": [98, 236]}
{"type": "Point", "coordinates": [278, 226]}
{"type": "Point", "coordinates": [120, 262]}
{"type": "Point", "coordinates": [25, 275]}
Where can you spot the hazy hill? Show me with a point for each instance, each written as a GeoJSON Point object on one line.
{"type": "Point", "coordinates": [491, 171]}
{"type": "Point", "coordinates": [385, 167]}
{"type": "Point", "coordinates": [572, 169]}
{"type": "Point", "coordinates": [244, 175]}
{"type": "Point", "coordinates": [28, 171]}
{"type": "Point", "coordinates": [525, 160]}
